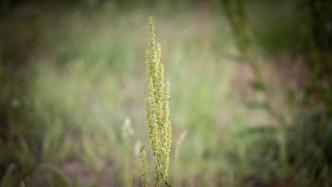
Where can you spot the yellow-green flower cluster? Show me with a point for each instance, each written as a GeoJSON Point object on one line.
{"type": "Point", "coordinates": [157, 108]}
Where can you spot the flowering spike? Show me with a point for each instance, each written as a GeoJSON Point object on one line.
{"type": "Point", "coordinates": [157, 108]}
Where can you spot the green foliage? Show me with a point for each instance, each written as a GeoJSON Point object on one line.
{"type": "Point", "coordinates": [64, 99]}
{"type": "Point", "coordinates": [56, 177]}
{"type": "Point", "coordinates": [8, 180]}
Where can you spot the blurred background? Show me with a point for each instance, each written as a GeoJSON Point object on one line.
{"type": "Point", "coordinates": [251, 98]}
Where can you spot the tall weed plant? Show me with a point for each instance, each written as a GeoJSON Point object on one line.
{"type": "Point", "coordinates": [157, 111]}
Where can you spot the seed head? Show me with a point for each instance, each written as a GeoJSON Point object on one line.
{"type": "Point", "coordinates": [157, 107]}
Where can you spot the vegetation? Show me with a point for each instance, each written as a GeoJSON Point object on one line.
{"type": "Point", "coordinates": [250, 96]}
{"type": "Point", "coordinates": [157, 109]}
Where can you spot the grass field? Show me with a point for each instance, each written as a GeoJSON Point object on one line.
{"type": "Point", "coordinates": [74, 106]}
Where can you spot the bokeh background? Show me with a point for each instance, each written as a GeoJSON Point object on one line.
{"type": "Point", "coordinates": [251, 98]}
